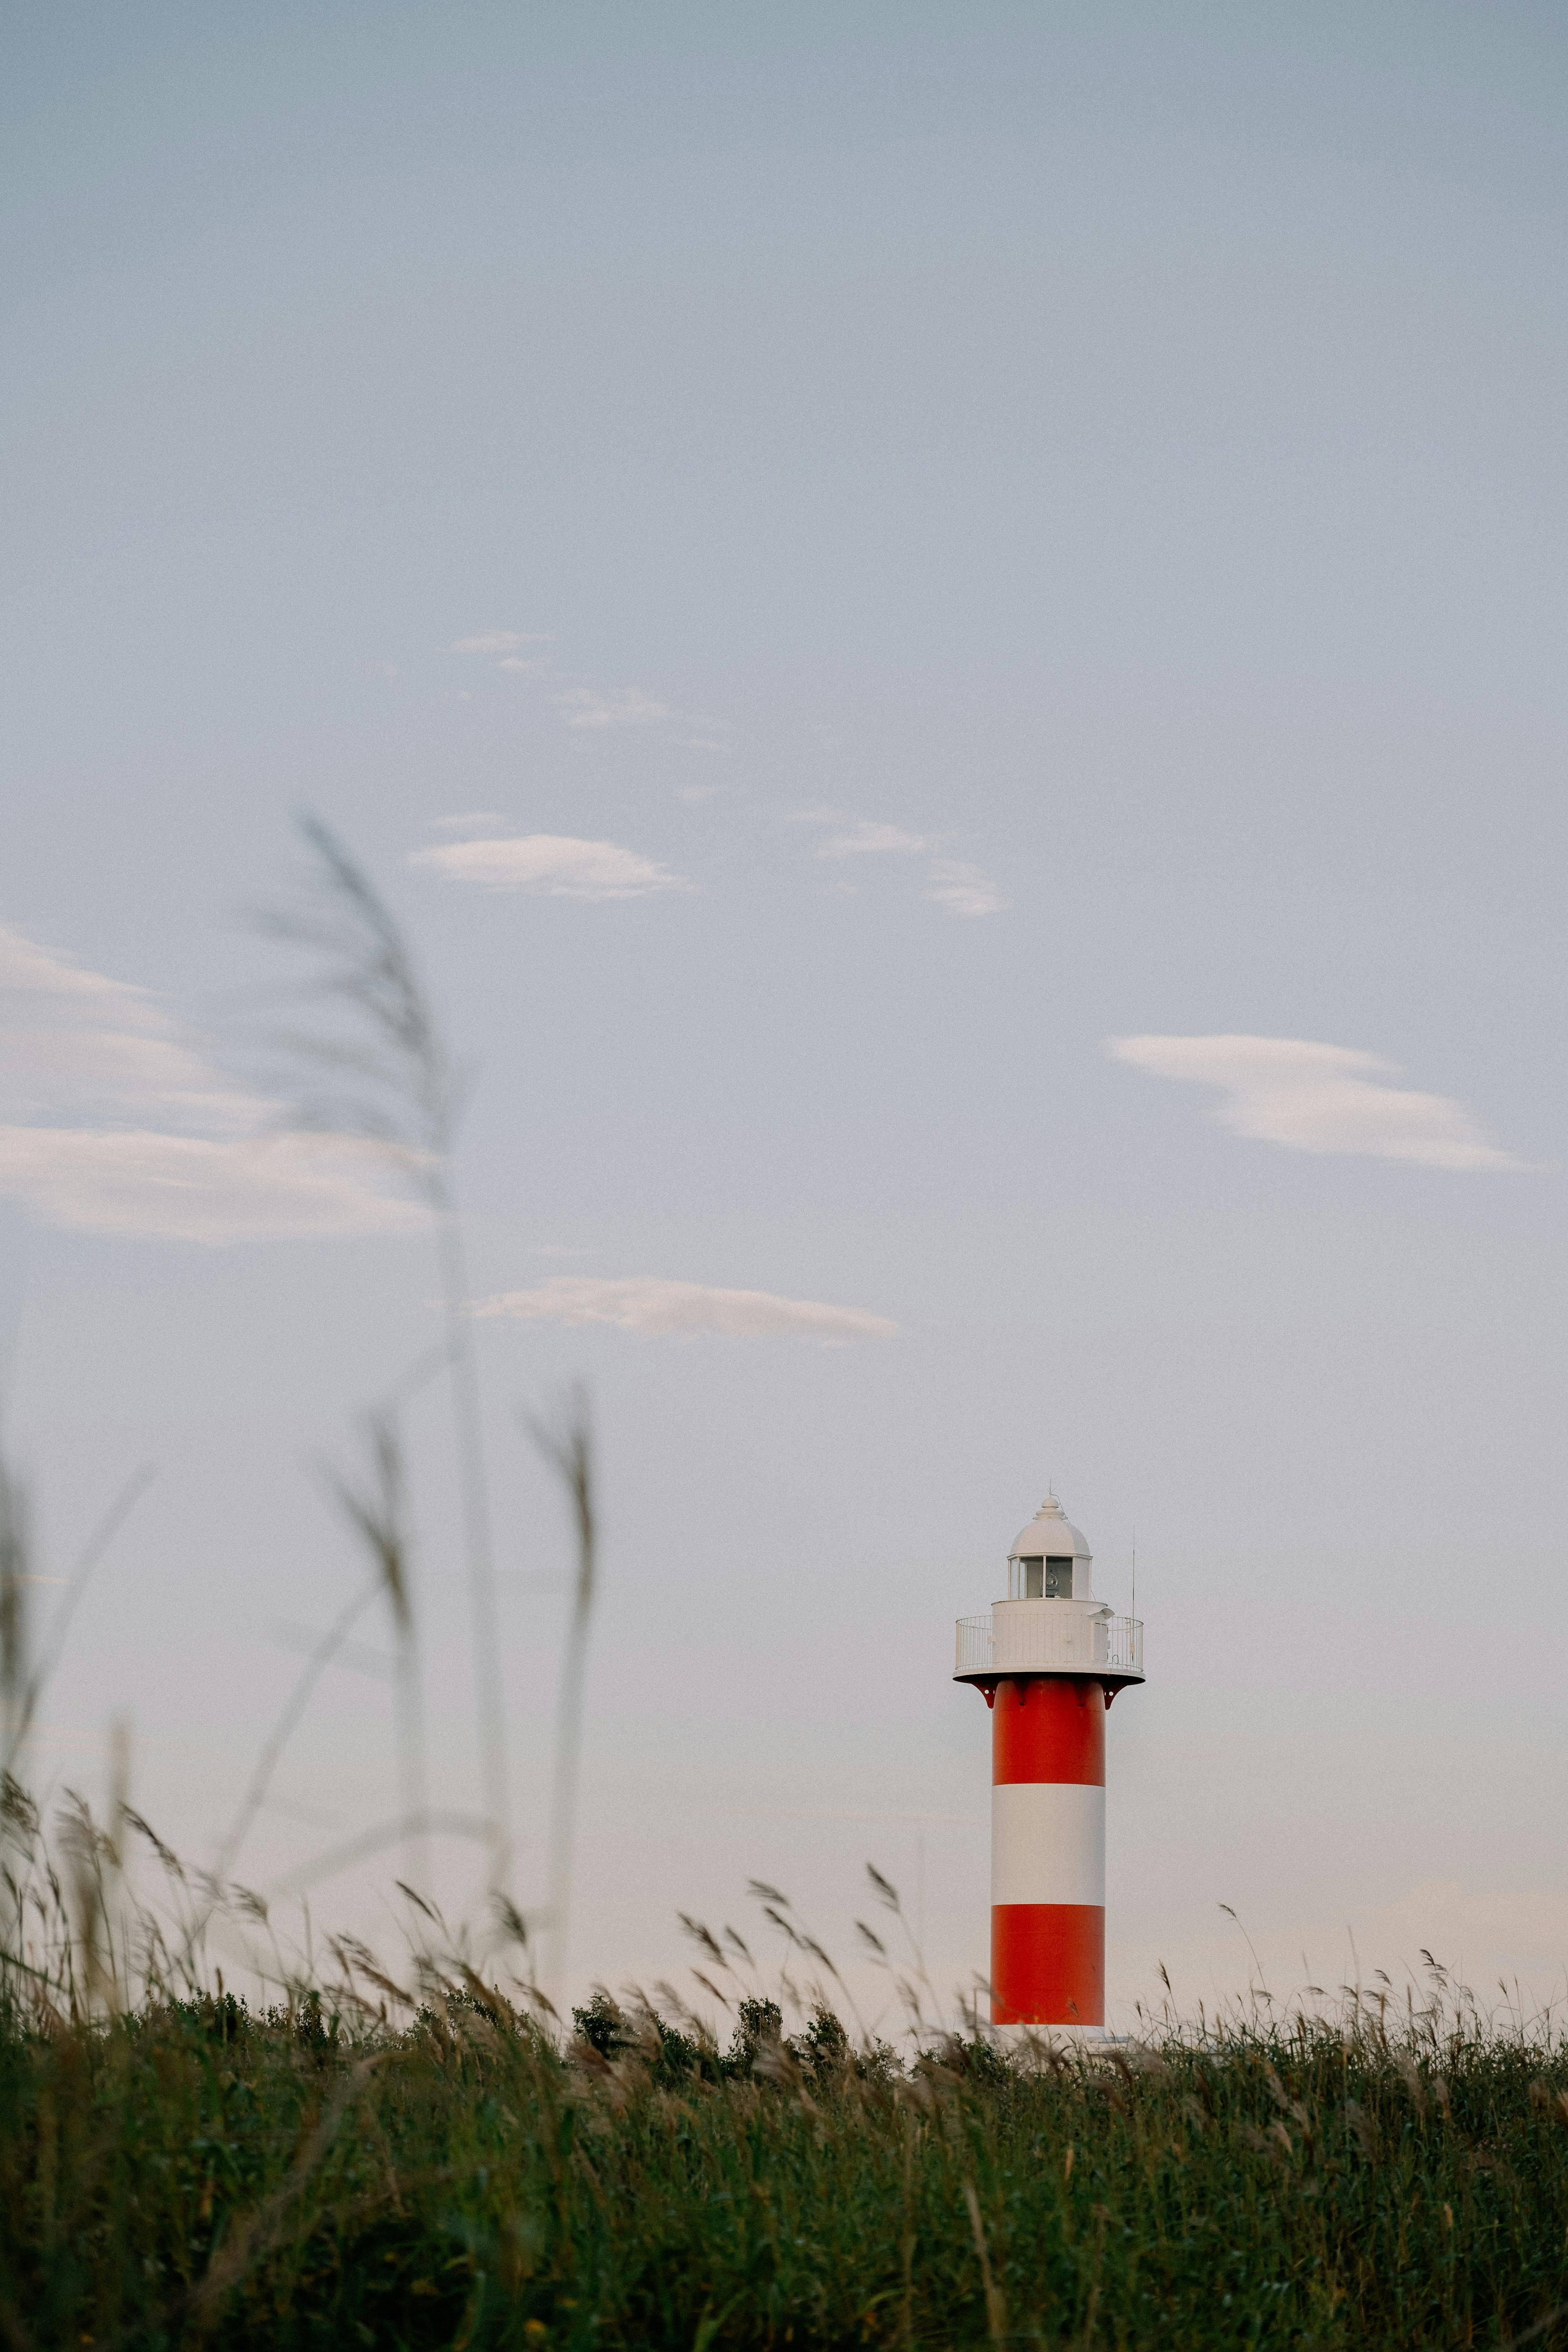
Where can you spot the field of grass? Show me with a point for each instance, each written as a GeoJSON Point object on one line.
{"type": "Point", "coordinates": [320, 2174]}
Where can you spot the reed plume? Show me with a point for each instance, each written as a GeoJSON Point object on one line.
{"type": "Point", "coordinates": [374, 1065]}
{"type": "Point", "coordinates": [567, 1446]}
{"type": "Point", "coordinates": [377, 1513]}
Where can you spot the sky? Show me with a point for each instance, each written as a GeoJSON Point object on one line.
{"type": "Point", "coordinates": [943, 628]}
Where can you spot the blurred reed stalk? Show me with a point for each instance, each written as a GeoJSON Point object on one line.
{"type": "Point", "coordinates": [99, 1957]}
{"type": "Point", "coordinates": [117, 1907]}
{"type": "Point", "coordinates": [23, 1678]}
{"type": "Point", "coordinates": [378, 1516]}
{"type": "Point", "coordinates": [567, 1446]}
{"type": "Point", "coordinates": [15, 1679]}
{"type": "Point", "coordinates": [389, 1081]}
{"type": "Point", "coordinates": [282, 1730]}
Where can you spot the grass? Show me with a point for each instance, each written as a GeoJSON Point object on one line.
{"type": "Point", "coordinates": [431, 2164]}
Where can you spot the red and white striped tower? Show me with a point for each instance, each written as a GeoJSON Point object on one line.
{"type": "Point", "coordinates": [1049, 1660]}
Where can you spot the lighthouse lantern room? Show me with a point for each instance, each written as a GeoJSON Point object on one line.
{"type": "Point", "coordinates": [1049, 1661]}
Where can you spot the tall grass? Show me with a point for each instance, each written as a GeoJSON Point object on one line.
{"type": "Point", "coordinates": [420, 2160]}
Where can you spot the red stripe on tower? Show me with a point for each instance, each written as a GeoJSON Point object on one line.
{"type": "Point", "coordinates": [1049, 1660]}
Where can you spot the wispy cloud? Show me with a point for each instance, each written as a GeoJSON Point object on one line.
{"type": "Point", "coordinates": [964, 889]}
{"type": "Point", "coordinates": [859, 836]}
{"type": "Point", "coordinates": [75, 1045]}
{"type": "Point", "coordinates": [552, 865]}
{"type": "Point", "coordinates": [190, 1188]}
{"type": "Point", "coordinates": [951, 882]}
{"type": "Point", "coordinates": [629, 708]}
{"type": "Point", "coordinates": [114, 1121]}
{"type": "Point", "coordinates": [653, 1309]}
{"type": "Point", "coordinates": [528, 652]}
{"type": "Point", "coordinates": [501, 641]}
{"type": "Point", "coordinates": [1322, 1098]}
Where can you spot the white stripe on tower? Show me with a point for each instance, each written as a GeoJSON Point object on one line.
{"type": "Point", "coordinates": [1047, 1842]}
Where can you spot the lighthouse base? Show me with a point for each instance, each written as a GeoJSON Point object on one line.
{"type": "Point", "coordinates": [1036, 2045]}
{"type": "Point", "coordinates": [1048, 1964]}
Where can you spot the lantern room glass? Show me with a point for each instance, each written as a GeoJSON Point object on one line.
{"type": "Point", "coordinates": [1038, 1577]}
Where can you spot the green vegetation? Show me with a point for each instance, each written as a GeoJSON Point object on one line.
{"type": "Point", "coordinates": [317, 2174]}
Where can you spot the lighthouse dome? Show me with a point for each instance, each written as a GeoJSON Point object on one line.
{"type": "Point", "coordinates": [1050, 1560]}
{"type": "Point", "coordinates": [1050, 1534]}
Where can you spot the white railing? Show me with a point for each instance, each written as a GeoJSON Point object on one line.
{"type": "Point", "coordinates": [1124, 1643]}
{"type": "Point", "coordinates": [974, 1644]}
{"type": "Point", "coordinates": [1044, 1636]}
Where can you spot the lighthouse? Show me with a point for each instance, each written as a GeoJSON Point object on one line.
{"type": "Point", "coordinates": [1049, 1660]}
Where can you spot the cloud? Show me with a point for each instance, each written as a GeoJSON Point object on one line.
{"type": "Point", "coordinates": [1321, 1099]}
{"type": "Point", "coordinates": [501, 641]}
{"type": "Point", "coordinates": [629, 708]}
{"type": "Point", "coordinates": [113, 1122]}
{"type": "Point", "coordinates": [73, 1043]}
{"type": "Point", "coordinates": [964, 889]}
{"type": "Point", "coordinates": [191, 1189]}
{"type": "Point", "coordinates": [951, 882]}
{"type": "Point", "coordinates": [653, 1309]}
{"type": "Point", "coordinates": [859, 836]}
{"type": "Point", "coordinates": [552, 865]}
{"type": "Point", "coordinates": [692, 793]}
